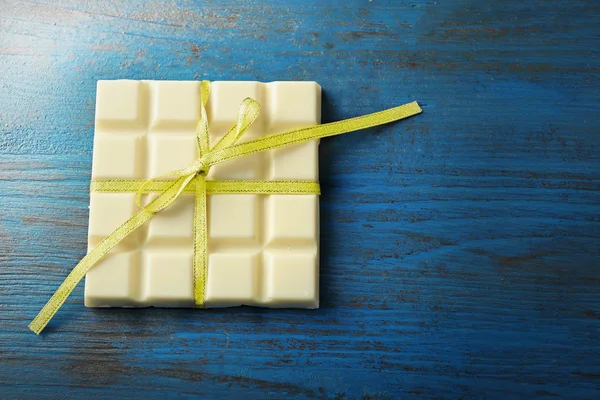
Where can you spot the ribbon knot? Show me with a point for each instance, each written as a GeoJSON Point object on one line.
{"type": "Point", "coordinates": [200, 168]}
{"type": "Point", "coordinates": [247, 114]}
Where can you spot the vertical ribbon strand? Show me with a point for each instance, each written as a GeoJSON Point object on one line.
{"type": "Point", "coordinates": [200, 263]}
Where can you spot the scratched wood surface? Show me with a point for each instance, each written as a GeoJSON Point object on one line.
{"type": "Point", "coordinates": [460, 249]}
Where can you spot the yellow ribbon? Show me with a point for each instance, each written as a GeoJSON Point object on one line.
{"type": "Point", "coordinates": [192, 179]}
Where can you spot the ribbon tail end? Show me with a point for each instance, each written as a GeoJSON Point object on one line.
{"type": "Point", "coordinates": [415, 108]}
{"type": "Point", "coordinates": [35, 328]}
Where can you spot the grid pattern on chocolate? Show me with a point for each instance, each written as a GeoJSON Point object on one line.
{"type": "Point", "coordinates": [262, 248]}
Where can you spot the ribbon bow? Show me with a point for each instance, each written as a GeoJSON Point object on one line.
{"type": "Point", "coordinates": [192, 179]}
{"type": "Point", "coordinates": [247, 114]}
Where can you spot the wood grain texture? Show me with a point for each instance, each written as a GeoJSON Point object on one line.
{"type": "Point", "coordinates": [460, 249]}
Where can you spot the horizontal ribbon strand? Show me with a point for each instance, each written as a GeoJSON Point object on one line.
{"type": "Point", "coordinates": [212, 187]}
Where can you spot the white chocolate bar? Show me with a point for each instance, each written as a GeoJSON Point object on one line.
{"type": "Point", "coordinates": [263, 249]}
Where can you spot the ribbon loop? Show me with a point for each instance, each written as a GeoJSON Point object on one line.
{"type": "Point", "coordinates": [247, 114]}
{"type": "Point", "coordinates": [168, 196]}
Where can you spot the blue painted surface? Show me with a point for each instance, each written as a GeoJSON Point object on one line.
{"type": "Point", "coordinates": [460, 248]}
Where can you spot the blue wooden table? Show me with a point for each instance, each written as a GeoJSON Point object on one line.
{"type": "Point", "coordinates": [460, 249]}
